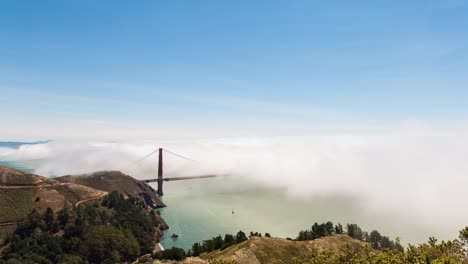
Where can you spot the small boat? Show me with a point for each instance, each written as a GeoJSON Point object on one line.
{"type": "Point", "coordinates": [175, 236]}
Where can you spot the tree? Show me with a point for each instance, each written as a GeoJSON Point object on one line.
{"type": "Point", "coordinates": [173, 253]}
{"type": "Point", "coordinates": [63, 216]}
{"type": "Point", "coordinates": [229, 240]}
{"type": "Point", "coordinates": [355, 231]}
{"type": "Point", "coordinates": [339, 229]}
{"type": "Point", "coordinates": [386, 243]}
{"type": "Point", "coordinates": [49, 218]}
{"type": "Point", "coordinates": [328, 229]}
{"type": "Point", "coordinates": [375, 239]}
{"type": "Point", "coordinates": [315, 231]}
{"type": "Point", "coordinates": [196, 249]}
{"type": "Point", "coordinates": [240, 237]}
{"type": "Point", "coordinates": [218, 242]}
{"type": "Point", "coordinates": [432, 241]}
{"type": "Point", "coordinates": [107, 242]}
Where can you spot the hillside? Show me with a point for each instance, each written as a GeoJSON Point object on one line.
{"type": "Point", "coordinates": [273, 250]}
{"type": "Point", "coordinates": [21, 192]}
{"type": "Point", "coordinates": [265, 250]}
{"type": "Point", "coordinates": [113, 229]}
{"type": "Point", "coordinates": [115, 180]}
{"type": "Point", "coordinates": [13, 177]}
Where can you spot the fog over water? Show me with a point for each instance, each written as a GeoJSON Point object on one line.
{"type": "Point", "coordinates": [409, 181]}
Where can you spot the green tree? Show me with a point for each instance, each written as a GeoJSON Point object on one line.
{"type": "Point", "coordinates": [63, 216]}
{"type": "Point", "coordinates": [339, 229]}
{"type": "Point", "coordinates": [196, 249]}
{"type": "Point", "coordinates": [107, 242]}
{"type": "Point", "coordinates": [375, 239]}
{"type": "Point", "coordinates": [240, 237]}
{"type": "Point", "coordinates": [173, 253]}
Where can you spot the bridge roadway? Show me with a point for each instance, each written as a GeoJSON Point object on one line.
{"type": "Point", "coordinates": [184, 178]}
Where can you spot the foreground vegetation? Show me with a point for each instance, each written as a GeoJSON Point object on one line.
{"type": "Point", "coordinates": [450, 252]}
{"type": "Point", "coordinates": [377, 240]}
{"type": "Point", "coordinates": [110, 231]}
{"type": "Point", "coordinates": [317, 231]}
{"type": "Point", "coordinates": [372, 248]}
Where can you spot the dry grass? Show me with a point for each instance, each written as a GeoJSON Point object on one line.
{"type": "Point", "coordinates": [13, 177]}
{"type": "Point", "coordinates": [15, 204]}
{"type": "Point", "coordinates": [279, 250]}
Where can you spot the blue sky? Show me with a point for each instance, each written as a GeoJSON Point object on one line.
{"type": "Point", "coordinates": [228, 68]}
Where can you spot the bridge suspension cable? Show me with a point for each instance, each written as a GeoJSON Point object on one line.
{"type": "Point", "coordinates": [146, 156]}
{"type": "Point", "coordinates": [165, 150]}
{"type": "Point", "coordinates": [180, 156]}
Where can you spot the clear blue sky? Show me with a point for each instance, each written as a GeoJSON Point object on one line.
{"type": "Point", "coordinates": [234, 65]}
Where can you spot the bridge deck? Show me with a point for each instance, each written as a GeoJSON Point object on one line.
{"type": "Point", "coordinates": [183, 178]}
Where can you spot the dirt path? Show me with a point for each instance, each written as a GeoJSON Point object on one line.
{"type": "Point", "coordinates": [32, 186]}
{"type": "Point", "coordinates": [9, 223]}
{"type": "Point", "coordinates": [90, 199]}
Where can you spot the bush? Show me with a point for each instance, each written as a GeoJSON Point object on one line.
{"type": "Point", "coordinates": [173, 253]}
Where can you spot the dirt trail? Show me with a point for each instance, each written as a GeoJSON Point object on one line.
{"type": "Point", "coordinates": [90, 199]}
{"type": "Point", "coordinates": [31, 186]}
{"type": "Point", "coordinates": [9, 223]}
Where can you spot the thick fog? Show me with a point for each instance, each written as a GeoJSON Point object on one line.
{"type": "Point", "coordinates": [419, 171]}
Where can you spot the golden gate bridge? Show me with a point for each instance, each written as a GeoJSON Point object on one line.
{"type": "Point", "coordinates": [162, 179]}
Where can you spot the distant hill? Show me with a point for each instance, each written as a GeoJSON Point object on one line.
{"type": "Point", "coordinates": [14, 177]}
{"type": "Point", "coordinates": [115, 180]}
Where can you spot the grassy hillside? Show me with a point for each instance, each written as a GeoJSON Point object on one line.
{"type": "Point", "coordinates": [12, 177]}
{"type": "Point", "coordinates": [275, 250]}
{"type": "Point", "coordinates": [21, 192]}
{"type": "Point", "coordinates": [15, 204]}
{"type": "Point", "coordinates": [115, 180]}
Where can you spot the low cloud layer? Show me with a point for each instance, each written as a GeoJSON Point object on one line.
{"type": "Point", "coordinates": [420, 171]}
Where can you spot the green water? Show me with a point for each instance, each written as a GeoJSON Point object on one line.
{"type": "Point", "coordinates": [201, 209]}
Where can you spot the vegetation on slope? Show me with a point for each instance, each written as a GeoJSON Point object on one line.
{"type": "Point", "coordinates": [450, 252]}
{"type": "Point", "coordinates": [323, 243]}
{"type": "Point", "coordinates": [377, 240]}
{"type": "Point", "coordinates": [279, 250]}
{"type": "Point", "coordinates": [336, 249]}
{"type": "Point", "coordinates": [22, 192]}
{"type": "Point", "coordinates": [110, 231]}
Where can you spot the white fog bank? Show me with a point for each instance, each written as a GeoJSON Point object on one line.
{"type": "Point", "coordinates": [418, 171]}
